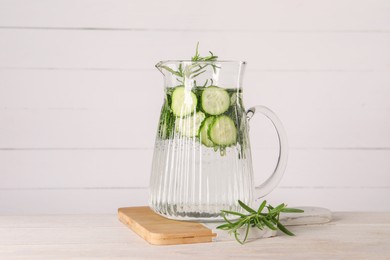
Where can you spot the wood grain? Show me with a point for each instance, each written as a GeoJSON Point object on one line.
{"type": "Point", "coordinates": [351, 235]}
{"type": "Point", "coordinates": [158, 230]}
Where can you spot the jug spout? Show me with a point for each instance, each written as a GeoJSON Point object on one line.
{"type": "Point", "coordinates": [159, 67]}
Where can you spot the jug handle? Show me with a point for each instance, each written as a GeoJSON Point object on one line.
{"type": "Point", "coordinates": [272, 181]}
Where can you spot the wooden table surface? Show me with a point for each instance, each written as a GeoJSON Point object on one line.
{"type": "Point", "coordinates": [349, 236]}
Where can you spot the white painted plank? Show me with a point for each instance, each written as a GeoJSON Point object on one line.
{"type": "Point", "coordinates": [131, 168]}
{"type": "Point", "coordinates": [76, 201]}
{"type": "Point", "coordinates": [107, 201]}
{"type": "Point", "coordinates": [74, 89]}
{"type": "Point", "coordinates": [305, 15]}
{"type": "Point", "coordinates": [122, 128]}
{"type": "Point", "coordinates": [331, 168]}
{"type": "Point", "coordinates": [75, 168]}
{"type": "Point", "coordinates": [142, 49]}
{"type": "Point", "coordinates": [318, 90]}
{"type": "Point", "coordinates": [78, 128]}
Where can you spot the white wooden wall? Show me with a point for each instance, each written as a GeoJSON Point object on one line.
{"type": "Point", "coordinates": [80, 97]}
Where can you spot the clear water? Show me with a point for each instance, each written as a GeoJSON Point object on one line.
{"type": "Point", "coordinates": [191, 181]}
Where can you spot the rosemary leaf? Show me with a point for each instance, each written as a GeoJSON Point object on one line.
{"type": "Point", "coordinates": [269, 224]}
{"type": "Point", "coordinates": [262, 205]}
{"type": "Point", "coordinates": [285, 230]}
{"type": "Point", "coordinates": [246, 207]}
{"type": "Point", "coordinates": [233, 213]}
{"type": "Point", "coordinates": [290, 210]}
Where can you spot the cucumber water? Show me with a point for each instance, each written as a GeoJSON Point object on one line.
{"type": "Point", "coordinates": [209, 115]}
{"type": "Point", "coordinates": [201, 160]}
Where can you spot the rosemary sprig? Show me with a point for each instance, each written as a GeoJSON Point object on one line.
{"type": "Point", "coordinates": [199, 69]}
{"type": "Point", "coordinates": [256, 219]}
{"type": "Point", "coordinates": [196, 68]}
{"type": "Point", "coordinates": [197, 56]}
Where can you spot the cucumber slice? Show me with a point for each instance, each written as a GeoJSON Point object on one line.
{"type": "Point", "coordinates": [215, 100]}
{"type": "Point", "coordinates": [223, 131]}
{"type": "Point", "coordinates": [189, 126]}
{"type": "Point", "coordinates": [183, 102]}
{"type": "Point", "coordinates": [204, 132]}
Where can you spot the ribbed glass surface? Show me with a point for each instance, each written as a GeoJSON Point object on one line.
{"type": "Point", "coordinates": [193, 182]}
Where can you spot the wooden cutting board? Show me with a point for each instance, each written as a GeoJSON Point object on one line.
{"type": "Point", "coordinates": [158, 230]}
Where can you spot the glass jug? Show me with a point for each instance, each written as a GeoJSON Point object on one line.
{"type": "Point", "coordinates": [202, 160]}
